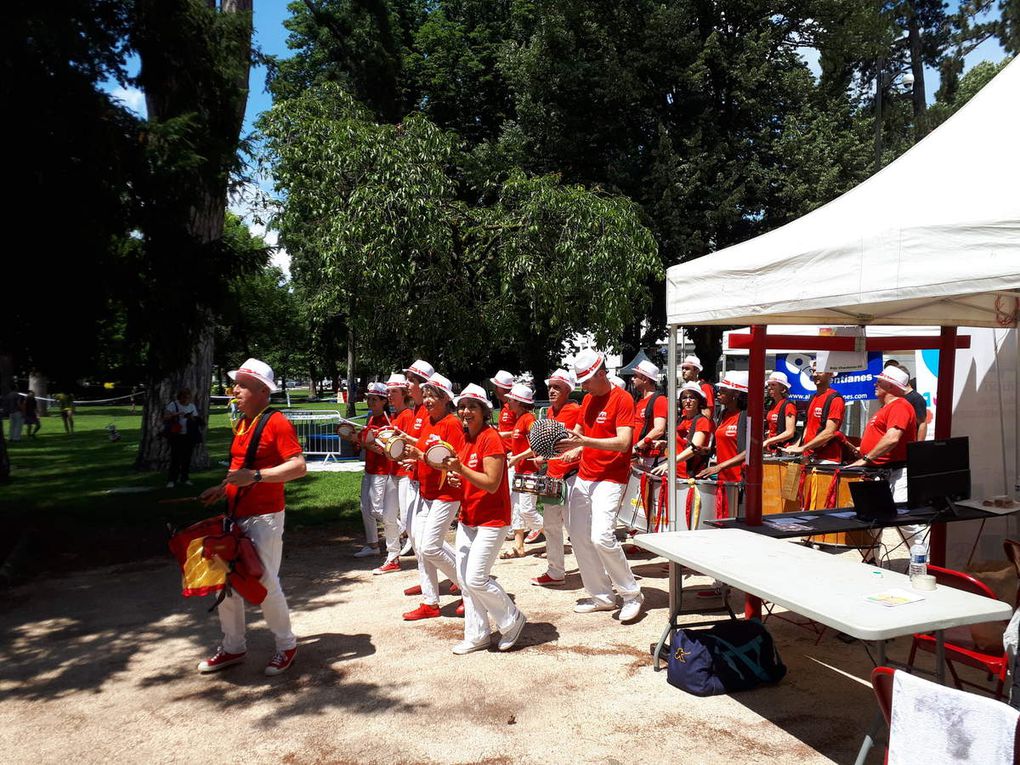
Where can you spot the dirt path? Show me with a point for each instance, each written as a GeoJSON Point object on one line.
{"type": "Point", "coordinates": [98, 667]}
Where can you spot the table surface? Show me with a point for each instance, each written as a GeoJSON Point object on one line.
{"type": "Point", "coordinates": [825, 588]}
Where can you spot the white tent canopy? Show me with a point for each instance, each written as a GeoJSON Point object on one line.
{"type": "Point", "coordinates": [934, 238]}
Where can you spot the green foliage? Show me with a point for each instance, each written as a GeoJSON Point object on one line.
{"type": "Point", "coordinates": [976, 78]}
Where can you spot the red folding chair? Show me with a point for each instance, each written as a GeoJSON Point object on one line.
{"type": "Point", "coordinates": [959, 645]}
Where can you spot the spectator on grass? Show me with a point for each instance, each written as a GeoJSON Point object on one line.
{"type": "Point", "coordinates": [66, 403]}
{"type": "Point", "coordinates": [179, 426]}
{"type": "Point", "coordinates": [31, 410]}
{"type": "Point", "coordinates": [14, 408]}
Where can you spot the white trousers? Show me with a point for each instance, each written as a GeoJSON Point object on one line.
{"type": "Point", "coordinates": [375, 495]}
{"type": "Point", "coordinates": [554, 517]}
{"type": "Point", "coordinates": [591, 521]}
{"type": "Point", "coordinates": [17, 420]}
{"type": "Point", "coordinates": [401, 485]}
{"type": "Point", "coordinates": [484, 600]}
{"type": "Point", "coordinates": [266, 531]}
{"type": "Point", "coordinates": [432, 519]}
{"type": "Point", "coordinates": [525, 515]}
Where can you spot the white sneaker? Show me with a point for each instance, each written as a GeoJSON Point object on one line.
{"type": "Point", "coordinates": [589, 606]}
{"type": "Point", "coordinates": [366, 552]}
{"type": "Point", "coordinates": [407, 548]}
{"type": "Point", "coordinates": [464, 647]}
{"type": "Point", "coordinates": [631, 609]}
{"type": "Point", "coordinates": [170, 484]}
{"type": "Point", "coordinates": [509, 637]}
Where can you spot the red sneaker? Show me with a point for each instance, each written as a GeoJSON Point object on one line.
{"type": "Point", "coordinates": [546, 581]}
{"type": "Point", "coordinates": [533, 536]}
{"type": "Point", "coordinates": [424, 611]}
{"type": "Point", "coordinates": [416, 590]}
{"type": "Point", "coordinates": [454, 589]}
{"type": "Point", "coordinates": [219, 660]}
{"type": "Point", "coordinates": [460, 609]}
{"type": "Point", "coordinates": [280, 662]}
{"type": "Point", "coordinates": [388, 567]}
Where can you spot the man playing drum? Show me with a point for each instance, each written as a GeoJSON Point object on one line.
{"type": "Point", "coordinates": [378, 500]}
{"type": "Point", "coordinates": [885, 438]}
{"type": "Point", "coordinates": [649, 413]}
{"type": "Point", "coordinates": [823, 422]}
{"type": "Point", "coordinates": [255, 497]}
{"type": "Point", "coordinates": [403, 422]}
{"type": "Point", "coordinates": [690, 370]}
{"type": "Point", "coordinates": [602, 441]}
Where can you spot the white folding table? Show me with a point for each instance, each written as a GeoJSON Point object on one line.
{"type": "Point", "coordinates": [825, 588]}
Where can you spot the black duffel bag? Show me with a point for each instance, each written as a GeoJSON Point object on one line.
{"type": "Point", "coordinates": [730, 656]}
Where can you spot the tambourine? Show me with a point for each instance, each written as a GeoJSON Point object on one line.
{"type": "Point", "coordinates": [436, 452]}
{"type": "Point", "coordinates": [534, 483]}
{"type": "Point", "coordinates": [392, 443]}
{"type": "Point", "coordinates": [348, 429]}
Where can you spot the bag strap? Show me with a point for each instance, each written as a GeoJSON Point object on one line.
{"type": "Point", "coordinates": [825, 407]}
{"type": "Point", "coordinates": [741, 653]}
{"type": "Point", "coordinates": [649, 419]}
{"type": "Point", "coordinates": [249, 456]}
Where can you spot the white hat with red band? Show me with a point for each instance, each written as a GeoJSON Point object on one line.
{"type": "Point", "coordinates": [895, 377]}
{"type": "Point", "coordinates": [377, 389]}
{"type": "Point", "coordinates": [259, 370]}
{"type": "Point", "coordinates": [423, 369]}
{"type": "Point", "coordinates": [563, 377]}
{"type": "Point", "coordinates": [779, 377]}
{"type": "Point", "coordinates": [473, 392]}
{"type": "Point", "coordinates": [441, 384]}
{"type": "Point", "coordinates": [522, 393]}
{"type": "Point", "coordinates": [503, 379]}
{"type": "Point", "coordinates": [693, 387]}
{"type": "Point", "coordinates": [618, 381]}
{"type": "Point", "coordinates": [647, 369]}
{"type": "Point", "coordinates": [396, 380]}
{"type": "Point", "coordinates": [691, 361]}
{"type": "Point", "coordinates": [734, 381]}
{"type": "Point", "coordinates": [586, 364]}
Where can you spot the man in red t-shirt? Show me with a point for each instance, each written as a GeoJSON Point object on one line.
{"type": "Point", "coordinates": [885, 439]}
{"type": "Point", "coordinates": [416, 375]}
{"type": "Point", "coordinates": [255, 497]}
{"type": "Point", "coordinates": [602, 441]}
{"type": "Point", "coordinates": [690, 370]}
{"type": "Point", "coordinates": [521, 400]}
{"type": "Point", "coordinates": [648, 426]}
{"type": "Point", "coordinates": [820, 439]}
{"type": "Point", "coordinates": [378, 498]}
{"type": "Point", "coordinates": [502, 382]}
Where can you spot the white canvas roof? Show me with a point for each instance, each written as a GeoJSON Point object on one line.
{"type": "Point", "coordinates": [933, 239]}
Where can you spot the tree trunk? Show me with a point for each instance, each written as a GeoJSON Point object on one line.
{"type": "Point", "coordinates": [38, 384]}
{"type": "Point", "coordinates": [352, 379]}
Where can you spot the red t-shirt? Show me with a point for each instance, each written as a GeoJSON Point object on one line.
{"type": "Point", "coordinates": [507, 418]}
{"type": "Point", "coordinates": [417, 420]}
{"type": "Point", "coordinates": [519, 442]}
{"type": "Point", "coordinates": [709, 390]}
{"type": "Point", "coordinates": [600, 416]}
{"type": "Point", "coordinates": [898, 413]}
{"type": "Point", "coordinates": [727, 444]}
{"type": "Point", "coordinates": [702, 424]}
{"type": "Point", "coordinates": [814, 425]}
{"type": "Point", "coordinates": [433, 482]}
{"type": "Point", "coordinates": [776, 418]}
{"type": "Point", "coordinates": [403, 421]}
{"type": "Point", "coordinates": [640, 408]}
{"type": "Point", "coordinates": [277, 444]}
{"type": "Point", "coordinates": [568, 415]}
{"type": "Point", "coordinates": [375, 464]}
{"type": "Point", "coordinates": [478, 507]}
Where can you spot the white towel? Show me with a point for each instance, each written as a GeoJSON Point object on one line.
{"type": "Point", "coordinates": [936, 725]}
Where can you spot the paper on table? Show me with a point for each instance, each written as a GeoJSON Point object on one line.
{"type": "Point", "coordinates": [844, 514]}
{"type": "Point", "coordinates": [894, 597]}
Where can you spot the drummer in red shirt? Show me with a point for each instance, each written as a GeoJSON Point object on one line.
{"type": "Point", "coordinates": [403, 417]}
{"type": "Point", "coordinates": [479, 466]}
{"type": "Point", "coordinates": [502, 382]}
{"type": "Point", "coordinates": [649, 414]}
{"type": "Point", "coordinates": [820, 439]}
{"type": "Point", "coordinates": [378, 500]}
{"type": "Point", "coordinates": [781, 419]}
{"type": "Point", "coordinates": [730, 432]}
{"type": "Point", "coordinates": [885, 438]}
{"type": "Point", "coordinates": [690, 370]}
{"type": "Point", "coordinates": [693, 434]}
{"type": "Point", "coordinates": [525, 517]}
{"type": "Point", "coordinates": [602, 441]}
{"type": "Point", "coordinates": [438, 499]}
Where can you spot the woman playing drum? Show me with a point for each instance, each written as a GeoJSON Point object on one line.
{"type": "Point", "coordinates": [781, 419]}
{"type": "Point", "coordinates": [730, 432]}
{"type": "Point", "coordinates": [401, 422]}
{"type": "Point", "coordinates": [438, 499]}
{"type": "Point", "coordinates": [693, 433]}
{"type": "Point", "coordinates": [376, 491]}
{"type": "Point", "coordinates": [521, 400]}
{"type": "Point", "coordinates": [479, 466]}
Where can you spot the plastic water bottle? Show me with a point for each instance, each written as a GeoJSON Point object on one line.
{"type": "Point", "coordinates": [918, 560]}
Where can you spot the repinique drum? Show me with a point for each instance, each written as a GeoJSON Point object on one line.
{"type": "Point", "coordinates": [821, 494]}
{"type": "Point", "coordinates": [436, 452]}
{"type": "Point", "coordinates": [632, 507]}
{"type": "Point", "coordinates": [773, 473]}
{"type": "Point", "coordinates": [392, 443]}
{"type": "Point", "coordinates": [537, 483]}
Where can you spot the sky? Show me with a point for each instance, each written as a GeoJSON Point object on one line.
{"type": "Point", "coordinates": [271, 38]}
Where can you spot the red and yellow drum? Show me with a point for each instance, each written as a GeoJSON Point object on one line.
{"type": "Point", "coordinates": [827, 487]}
{"type": "Point", "coordinates": [773, 497]}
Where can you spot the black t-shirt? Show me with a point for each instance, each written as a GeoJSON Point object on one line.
{"type": "Point", "coordinates": [917, 401]}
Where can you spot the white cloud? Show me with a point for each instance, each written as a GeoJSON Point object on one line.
{"type": "Point", "coordinates": [132, 98]}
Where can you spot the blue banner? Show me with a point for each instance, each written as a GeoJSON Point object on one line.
{"type": "Point", "coordinates": [852, 386]}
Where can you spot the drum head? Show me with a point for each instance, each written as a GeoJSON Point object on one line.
{"type": "Point", "coordinates": [394, 447]}
{"type": "Point", "coordinates": [437, 452]}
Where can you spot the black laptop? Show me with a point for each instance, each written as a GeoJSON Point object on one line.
{"type": "Point", "coordinates": [873, 500]}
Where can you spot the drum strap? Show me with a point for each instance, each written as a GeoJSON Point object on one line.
{"type": "Point", "coordinates": [663, 506]}
{"type": "Point", "coordinates": [722, 506]}
{"type": "Point", "coordinates": [800, 487]}
{"type": "Point", "coordinates": [693, 508]}
{"type": "Point", "coordinates": [832, 494]}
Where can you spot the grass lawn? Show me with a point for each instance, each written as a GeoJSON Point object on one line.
{"type": "Point", "coordinates": [60, 512]}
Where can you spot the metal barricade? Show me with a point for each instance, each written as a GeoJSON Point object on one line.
{"type": "Point", "coordinates": [316, 431]}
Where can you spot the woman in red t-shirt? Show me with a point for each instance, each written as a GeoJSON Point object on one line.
{"type": "Point", "coordinates": [693, 433]}
{"type": "Point", "coordinates": [438, 499]}
{"type": "Point", "coordinates": [781, 419]}
{"type": "Point", "coordinates": [480, 468]}
{"type": "Point", "coordinates": [378, 502]}
{"type": "Point", "coordinates": [525, 516]}
{"type": "Point", "coordinates": [730, 444]}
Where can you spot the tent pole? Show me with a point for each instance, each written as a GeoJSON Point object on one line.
{"type": "Point", "coordinates": [755, 432]}
{"type": "Point", "coordinates": [671, 497]}
{"type": "Point", "coordinates": [943, 425]}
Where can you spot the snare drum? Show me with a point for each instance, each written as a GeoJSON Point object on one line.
{"type": "Point", "coordinates": [773, 474]}
{"type": "Point", "coordinates": [436, 452]}
{"type": "Point", "coordinates": [704, 501]}
{"type": "Point", "coordinates": [535, 483]}
{"type": "Point", "coordinates": [632, 506]}
{"type": "Point", "coordinates": [820, 494]}
{"type": "Point", "coordinates": [392, 443]}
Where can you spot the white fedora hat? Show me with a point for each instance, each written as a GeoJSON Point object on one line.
{"type": "Point", "coordinates": [423, 369]}
{"type": "Point", "coordinates": [693, 387]}
{"type": "Point", "coordinates": [258, 370]}
{"type": "Point", "coordinates": [522, 393]}
{"type": "Point", "coordinates": [377, 389]}
{"type": "Point", "coordinates": [895, 377]}
{"type": "Point", "coordinates": [563, 377]}
{"type": "Point", "coordinates": [691, 361]}
{"type": "Point", "coordinates": [779, 377]}
{"type": "Point", "coordinates": [440, 383]}
{"type": "Point", "coordinates": [734, 381]}
{"type": "Point", "coordinates": [503, 379]}
{"type": "Point", "coordinates": [586, 364]}
{"type": "Point", "coordinates": [473, 392]}
{"type": "Point", "coordinates": [396, 380]}
{"type": "Point", "coordinates": [647, 369]}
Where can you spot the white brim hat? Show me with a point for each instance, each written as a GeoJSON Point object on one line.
{"type": "Point", "coordinates": [586, 364]}
{"type": "Point", "coordinates": [895, 377]}
{"type": "Point", "coordinates": [649, 370]}
{"type": "Point", "coordinates": [779, 377]}
{"type": "Point", "coordinates": [474, 392]}
{"type": "Point", "coordinates": [692, 387]}
{"type": "Point", "coordinates": [396, 380]}
{"type": "Point", "coordinates": [257, 370]}
{"type": "Point", "coordinates": [522, 394]}
{"type": "Point", "coordinates": [691, 361]}
{"type": "Point", "coordinates": [377, 389]}
{"type": "Point", "coordinates": [503, 379]}
{"type": "Point", "coordinates": [563, 377]}
{"type": "Point", "coordinates": [441, 384]}
{"type": "Point", "coordinates": [422, 369]}
{"type": "Point", "coordinates": [734, 381]}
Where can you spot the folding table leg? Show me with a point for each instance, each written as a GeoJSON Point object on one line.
{"type": "Point", "coordinates": [877, 721]}
{"type": "Point", "coordinates": [676, 593]}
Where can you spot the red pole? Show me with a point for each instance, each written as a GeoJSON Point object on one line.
{"type": "Point", "coordinates": [755, 435]}
{"type": "Point", "coordinates": [943, 425]}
